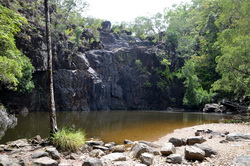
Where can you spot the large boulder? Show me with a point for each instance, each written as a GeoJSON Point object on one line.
{"type": "Point", "coordinates": [194, 153]}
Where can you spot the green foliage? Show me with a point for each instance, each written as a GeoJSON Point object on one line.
{"type": "Point", "coordinates": [195, 95]}
{"type": "Point", "coordinates": [15, 68]}
{"type": "Point", "coordinates": [144, 26]}
{"type": "Point", "coordinates": [147, 84]}
{"type": "Point", "coordinates": [139, 66]}
{"type": "Point", "coordinates": [69, 139]}
{"type": "Point", "coordinates": [234, 62]}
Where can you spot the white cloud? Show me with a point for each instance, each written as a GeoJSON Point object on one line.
{"type": "Point", "coordinates": [127, 10]}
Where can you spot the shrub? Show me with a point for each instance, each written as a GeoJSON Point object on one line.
{"type": "Point", "coordinates": [69, 139]}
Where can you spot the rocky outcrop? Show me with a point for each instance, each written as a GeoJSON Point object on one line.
{"type": "Point", "coordinates": [122, 75]}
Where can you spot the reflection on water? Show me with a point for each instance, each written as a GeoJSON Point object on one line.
{"type": "Point", "coordinates": [110, 125]}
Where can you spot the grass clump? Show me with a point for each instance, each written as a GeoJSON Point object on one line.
{"type": "Point", "coordinates": [68, 139]}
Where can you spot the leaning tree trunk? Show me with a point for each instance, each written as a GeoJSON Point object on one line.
{"type": "Point", "coordinates": [53, 123]}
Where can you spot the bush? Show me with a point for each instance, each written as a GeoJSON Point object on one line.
{"type": "Point", "coordinates": [69, 139]}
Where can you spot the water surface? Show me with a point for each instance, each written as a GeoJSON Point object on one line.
{"type": "Point", "coordinates": [110, 125]}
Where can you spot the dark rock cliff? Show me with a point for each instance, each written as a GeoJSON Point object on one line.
{"type": "Point", "coordinates": [121, 76]}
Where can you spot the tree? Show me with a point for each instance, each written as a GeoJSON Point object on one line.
{"type": "Point", "coordinates": [234, 62]}
{"type": "Point", "coordinates": [15, 68]}
{"type": "Point", "coordinates": [195, 95]}
{"type": "Point", "coordinates": [53, 123]}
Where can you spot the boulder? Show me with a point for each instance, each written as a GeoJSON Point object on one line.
{"type": "Point", "coordinates": [106, 26]}
{"type": "Point", "coordinates": [118, 148]}
{"type": "Point", "coordinates": [194, 153]}
{"type": "Point", "coordinates": [208, 150]}
{"type": "Point", "coordinates": [110, 144]}
{"type": "Point", "coordinates": [126, 141]}
{"type": "Point", "coordinates": [138, 149]}
{"type": "Point", "coordinates": [92, 162]}
{"type": "Point", "coordinates": [167, 149]}
{"type": "Point", "coordinates": [96, 153]}
{"type": "Point", "coordinates": [150, 144]}
{"type": "Point", "coordinates": [147, 158]}
{"type": "Point", "coordinates": [103, 148]}
{"type": "Point", "coordinates": [6, 161]}
{"type": "Point", "coordinates": [18, 143]}
{"type": "Point", "coordinates": [223, 141]}
{"type": "Point", "coordinates": [39, 154]}
{"type": "Point", "coordinates": [194, 140]}
{"type": "Point", "coordinates": [92, 143]}
{"type": "Point", "coordinates": [115, 157]}
{"type": "Point", "coordinates": [73, 156]}
{"type": "Point", "coordinates": [53, 153]}
{"type": "Point", "coordinates": [176, 141]}
{"type": "Point", "coordinates": [45, 161]}
{"type": "Point", "coordinates": [174, 159]}
{"type": "Point", "coordinates": [242, 161]}
{"type": "Point", "coordinates": [36, 140]}
{"type": "Point", "coordinates": [238, 137]}
{"type": "Point", "coordinates": [212, 108]}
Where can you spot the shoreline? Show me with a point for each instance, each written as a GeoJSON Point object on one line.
{"type": "Point", "coordinates": [226, 151]}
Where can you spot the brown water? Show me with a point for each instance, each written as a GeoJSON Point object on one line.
{"type": "Point", "coordinates": [110, 125]}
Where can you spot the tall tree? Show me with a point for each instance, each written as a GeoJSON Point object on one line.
{"type": "Point", "coordinates": [53, 123]}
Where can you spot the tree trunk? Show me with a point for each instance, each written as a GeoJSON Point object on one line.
{"type": "Point", "coordinates": [53, 123]}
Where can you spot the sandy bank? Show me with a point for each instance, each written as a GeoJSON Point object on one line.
{"type": "Point", "coordinates": [226, 151]}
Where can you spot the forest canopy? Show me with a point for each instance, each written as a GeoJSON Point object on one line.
{"type": "Point", "coordinates": [213, 39]}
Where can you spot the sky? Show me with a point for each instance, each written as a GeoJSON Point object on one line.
{"type": "Point", "coordinates": [127, 10]}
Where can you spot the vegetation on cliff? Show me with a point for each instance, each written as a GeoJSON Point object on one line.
{"type": "Point", "coordinates": [15, 68]}
{"type": "Point", "coordinates": [213, 39]}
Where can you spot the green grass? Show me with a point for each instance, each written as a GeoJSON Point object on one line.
{"type": "Point", "coordinates": [68, 139]}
